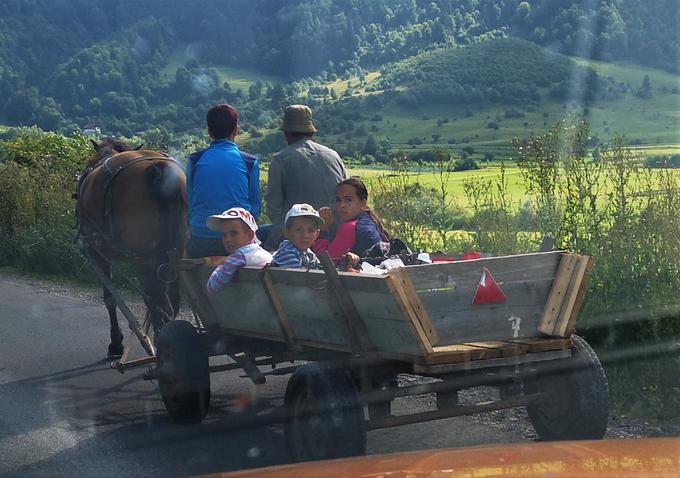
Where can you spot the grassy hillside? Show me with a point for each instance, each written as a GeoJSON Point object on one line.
{"type": "Point", "coordinates": [504, 70]}
{"type": "Point", "coordinates": [417, 118]}
{"type": "Point", "coordinates": [238, 78]}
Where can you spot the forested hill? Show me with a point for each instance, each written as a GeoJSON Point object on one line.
{"type": "Point", "coordinates": [66, 62]}
{"type": "Point", "coordinates": [507, 71]}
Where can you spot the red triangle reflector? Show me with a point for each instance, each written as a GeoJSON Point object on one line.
{"type": "Point", "coordinates": [488, 291]}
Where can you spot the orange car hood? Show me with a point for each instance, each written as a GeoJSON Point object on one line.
{"type": "Point", "coordinates": [578, 459]}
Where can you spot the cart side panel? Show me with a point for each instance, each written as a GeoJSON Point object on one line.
{"type": "Point", "coordinates": [448, 290]}
{"type": "Point", "coordinates": [310, 311]}
{"type": "Point", "coordinates": [242, 306]}
{"type": "Point", "coordinates": [390, 328]}
{"type": "Point", "coordinates": [316, 319]}
{"type": "Point", "coordinates": [195, 287]}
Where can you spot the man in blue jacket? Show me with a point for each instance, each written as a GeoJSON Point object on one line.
{"type": "Point", "coordinates": [219, 178]}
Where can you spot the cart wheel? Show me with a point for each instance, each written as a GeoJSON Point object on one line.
{"type": "Point", "coordinates": [324, 416]}
{"type": "Point", "coordinates": [183, 375]}
{"type": "Point", "coordinates": [574, 402]}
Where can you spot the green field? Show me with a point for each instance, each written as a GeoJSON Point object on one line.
{"type": "Point", "coordinates": [241, 79]}
{"type": "Point", "coordinates": [340, 86]}
{"type": "Point", "coordinates": [651, 125]}
{"type": "Point", "coordinates": [454, 183]}
{"type": "Point", "coordinates": [648, 124]}
{"type": "Point", "coordinates": [238, 78]}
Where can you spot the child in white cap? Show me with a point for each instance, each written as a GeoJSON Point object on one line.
{"type": "Point", "coordinates": [237, 229]}
{"type": "Point", "coordinates": [301, 229]}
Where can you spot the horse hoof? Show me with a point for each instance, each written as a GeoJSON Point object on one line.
{"type": "Point", "coordinates": [115, 352]}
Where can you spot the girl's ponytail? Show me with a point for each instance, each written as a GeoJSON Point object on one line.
{"type": "Point", "coordinates": [386, 236]}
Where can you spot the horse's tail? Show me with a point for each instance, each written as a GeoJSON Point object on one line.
{"type": "Point", "coordinates": [166, 182]}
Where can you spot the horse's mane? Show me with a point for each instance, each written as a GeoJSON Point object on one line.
{"type": "Point", "coordinates": [107, 147]}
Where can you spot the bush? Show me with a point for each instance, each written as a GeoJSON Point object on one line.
{"type": "Point", "coordinates": [37, 214]}
{"type": "Point", "coordinates": [465, 164]}
{"type": "Point", "coordinates": [663, 161]}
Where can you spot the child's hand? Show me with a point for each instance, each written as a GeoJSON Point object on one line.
{"type": "Point", "coordinates": [352, 259]}
{"type": "Point", "coordinates": [327, 216]}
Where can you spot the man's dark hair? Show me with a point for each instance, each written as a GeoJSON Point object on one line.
{"type": "Point", "coordinates": [222, 120]}
{"type": "Point", "coordinates": [297, 136]}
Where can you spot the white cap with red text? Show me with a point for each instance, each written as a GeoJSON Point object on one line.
{"type": "Point", "coordinates": [214, 221]}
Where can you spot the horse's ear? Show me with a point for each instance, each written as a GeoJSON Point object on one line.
{"type": "Point", "coordinates": [139, 147]}
{"type": "Point", "coordinates": [95, 145]}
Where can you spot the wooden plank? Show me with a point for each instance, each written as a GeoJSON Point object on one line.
{"type": "Point", "coordinates": [357, 330]}
{"type": "Point", "coordinates": [460, 353]}
{"type": "Point", "coordinates": [581, 279]}
{"type": "Point", "coordinates": [506, 349]}
{"type": "Point", "coordinates": [385, 323]}
{"type": "Point", "coordinates": [250, 334]}
{"type": "Point", "coordinates": [314, 315]}
{"type": "Point", "coordinates": [190, 264]}
{"type": "Point", "coordinates": [482, 364]}
{"type": "Point", "coordinates": [570, 295]}
{"type": "Point", "coordinates": [447, 292]}
{"type": "Point", "coordinates": [457, 320]}
{"type": "Point", "coordinates": [286, 329]}
{"type": "Point", "coordinates": [416, 305]}
{"type": "Point", "coordinates": [242, 305]}
{"type": "Point", "coordinates": [392, 281]}
{"type": "Point", "coordinates": [544, 345]}
{"type": "Point", "coordinates": [553, 306]}
{"type": "Point", "coordinates": [507, 269]}
{"type": "Point", "coordinates": [317, 278]}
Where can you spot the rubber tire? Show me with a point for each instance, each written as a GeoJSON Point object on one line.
{"type": "Point", "coordinates": [183, 375]}
{"type": "Point", "coordinates": [324, 417]}
{"type": "Point", "coordinates": [574, 400]}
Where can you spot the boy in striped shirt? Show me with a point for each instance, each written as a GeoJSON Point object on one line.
{"type": "Point", "coordinates": [237, 230]}
{"type": "Point", "coordinates": [301, 229]}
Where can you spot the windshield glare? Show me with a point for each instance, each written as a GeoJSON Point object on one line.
{"type": "Point", "coordinates": [239, 234]}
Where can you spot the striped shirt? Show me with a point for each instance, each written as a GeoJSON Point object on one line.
{"type": "Point", "coordinates": [293, 258]}
{"type": "Point", "coordinates": [248, 255]}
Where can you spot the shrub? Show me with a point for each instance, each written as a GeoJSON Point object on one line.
{"type": "Point", "coordinates": [465, 164]}
{"type": "Point", "coordinates": [663, 161]}
{"type": "Point", "coordinates": [37, 220]}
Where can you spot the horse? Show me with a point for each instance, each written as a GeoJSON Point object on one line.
{"type": "Point", "coordinates": [132, 207]}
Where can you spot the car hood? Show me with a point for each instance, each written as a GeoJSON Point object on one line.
{"type": "Point", "coordinates": [658, 457]}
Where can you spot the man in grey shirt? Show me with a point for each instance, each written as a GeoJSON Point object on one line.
{"type": "Point", "coordinates": [302, 172]}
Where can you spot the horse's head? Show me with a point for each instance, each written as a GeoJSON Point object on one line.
{"type": "Point", "coordinates": [106, 148]}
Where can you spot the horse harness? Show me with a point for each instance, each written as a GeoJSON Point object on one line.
{"type": "Point", "coordinates": [89, 235]}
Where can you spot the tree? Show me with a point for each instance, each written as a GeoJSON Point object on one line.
{"type": "Point", "coordinates": [49, 114]}
{"type": "Point", "coordinates": [370, 146]}
{"type": "Point", "coordinates": [645, 90]}
{"type": "Point", "coordinates": [255, 91]}
{"type": "Point", "coordinates": [22, 108]}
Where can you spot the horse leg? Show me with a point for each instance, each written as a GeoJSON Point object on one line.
{"type": "Point", "coordinates": [156, 298]}
{"type": "Point", "coordinates": [116, 346]}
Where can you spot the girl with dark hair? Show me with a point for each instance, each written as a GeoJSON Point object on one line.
{"type": "Point", "coordinates": [361, 228]}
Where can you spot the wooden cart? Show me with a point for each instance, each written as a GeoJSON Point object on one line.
{"type": "Point", "coordinates": [506, 322]}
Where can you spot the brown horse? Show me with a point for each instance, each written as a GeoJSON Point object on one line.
{"type": "Point", "coordinates": [132, 207]}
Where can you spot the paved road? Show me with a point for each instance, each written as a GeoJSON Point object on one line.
{"type": "Point", "coordinates": [64, 412]}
